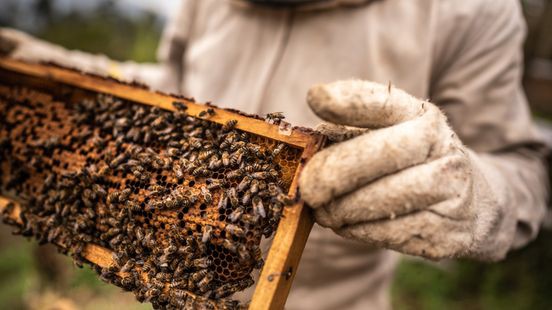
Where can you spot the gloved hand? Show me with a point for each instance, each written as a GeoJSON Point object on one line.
{"type": "Point", "coordinates": [402, 180]}
{"type": "Point", "coordinates": [17, 44]}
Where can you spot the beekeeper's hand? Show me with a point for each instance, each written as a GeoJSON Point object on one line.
{"type": "Point", "coordinates": [17, 44]}
{"type": "Point", "coordinates": [402, 180]}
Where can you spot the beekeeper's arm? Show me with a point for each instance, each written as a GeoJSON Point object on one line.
{"type": "Point", "coordinates": [164, 75]}
{"type": "Point", "coordinates": [473, 185]}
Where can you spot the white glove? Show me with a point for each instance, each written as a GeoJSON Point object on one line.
{"type": "Point", "coordinates": [405, 182]}
{"type": "Point", "coordinates": [20, 45]}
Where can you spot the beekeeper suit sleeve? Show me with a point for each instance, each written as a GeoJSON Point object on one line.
{"type": "Point", "coordinates": [463, 177]}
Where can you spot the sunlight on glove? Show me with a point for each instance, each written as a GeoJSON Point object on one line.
{"type": "Point", "coordinates": [397, 177]}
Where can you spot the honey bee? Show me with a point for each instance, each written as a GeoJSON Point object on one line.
{"type": "Point", "coordinates": [233, 196]}
{"type": "Point", "coordinates": [258, 207]}
{"type": "Point", "coordinates": [206, 194]}
{"type": "Point", "coordinates": [117, 160]}
{"type": "Point", "coordinates": [278, 149]}
{"type": "Point", "coordinates": [250, 219]}
{"type": "Point", "coordinates": [223, 201]}
{"type": "Point", "coordinates": [231, 124]}
{"type": "Point", "coordinates": [243, 253]}
{"type": "Point", "coordinates": [275, 116]}
{"type": "Point", "coordinates": [201, 263]}
{"type": "Point", "coordinates": [236, 214]}
{"type": "Point", "coordinates": [246, 197]}
{"type": "Point", "coordinates": [234, 230]}
{"type": "Point", "coordinates": [244, 183]}
{"type": "Point", "coordinates": [225, 158]}
{"type": "Point", "coordinates": [207, 231]}
{"type": "Point", "coordinates": [229, 245]}
{"type": "Point", "coordinates": [179, 106]}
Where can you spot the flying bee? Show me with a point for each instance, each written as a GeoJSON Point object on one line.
{"type": "Point", "coordinates": [234, 230]}
{"type": "Point", "coordinates": [258, 207]}
{"type": "Point", "coordinates": [207, 231]}
{"type": "Point", "coordinates": [236, 214]}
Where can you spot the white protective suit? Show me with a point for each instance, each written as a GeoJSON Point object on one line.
{"type": "Point", "coordinates": [464, 56]}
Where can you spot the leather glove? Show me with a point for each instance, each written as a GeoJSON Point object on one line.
{"type": "Point", "coordinates": [398, 177]}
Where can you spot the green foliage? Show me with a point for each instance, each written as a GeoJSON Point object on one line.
{"type": "Point", "coordinates": [522, 281]}
{"type": "Point", "coordinates": [104, 30]}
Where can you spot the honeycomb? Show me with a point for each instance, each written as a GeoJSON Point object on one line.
{"type": "Point", "coordinates": [181, 202]}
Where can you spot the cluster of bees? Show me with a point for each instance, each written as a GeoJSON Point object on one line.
{"type": "Point", "coordinates": [182, 202]}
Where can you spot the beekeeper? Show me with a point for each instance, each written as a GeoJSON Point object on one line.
{"type": "Point", "coordinates": [436, 157]}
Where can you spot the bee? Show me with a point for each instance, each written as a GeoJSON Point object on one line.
{"type": "Point", "coordinates": [113, 197]}
{"type": "Point", "coordinates": [254, 188]}
{"type": "Point", "coordinates": [177, 169]}
{"type": "Point", "coordinates": [250, 219]}
{"type": "Point", "coordinates": [236, 214]}
{"type": "Point", "coordinates": [243, 253]}
{"type": "Point", "coordinates": [244, 183]}
{"type": "Point", "coordinates": [215, 163]}
{"type": "Point", "coordinates": [128, 265]}
{"type": "Point", "coordinates": [231, 124]}
{"type": "Point", "coordinates": [179, 106]}
{"type": "Point", "coordinates": [200, 171]}
{"type": "Point", "coordinates": [225, 158]}
{"type": "Point", "coordinates": [246, 197]}
{"type": "Point", "coordinates": [275, 116]}
{"type": "Point", "coordinates": [284, 199]}
{"type": "Point", "coordinates": [233, 196]}
{"type": "Point", "coordinates": [278, 149]}
{"type": "Point", "coordinates": [257, 256]}
{"type": "Point", "coordinates": [117, 160]}
{"type": "Point", "coordinates": [206, 194]}
{"type": "Point", "coordinates": [178, 284]}
{"type": "Point", "coordinates": [207, 231]}
{"type": "Point", "coordinates": [173, 152]}
{"type": "Point", "coordinates": [234, 174]}
{"type": "Point", "coordinates": [229, 245]}
{"type": "Point", "coordinates": [201, 263]}
{"type": "Point", "coordinates": [236, 158]}
{"type": "Point", "coordinates": [234, 230]}
{"type": "Point", "coordinates": [124, 195]}
{"type": "Point", "coordinates": [203, 284]}
{"type": "Point", "coordinates": [261, 175]}
{"type": "Point", "coordinates": [223, 201]}
{"type": "Point", "coordinates": [207, 113]}
{"type": "Point", "coordinates": [213, 184]}
{"type": "Point", "coordinates": [198, 275]}
{"type": "Point", "coordinates": [258, 207]}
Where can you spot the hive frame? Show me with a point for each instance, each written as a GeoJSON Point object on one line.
{"type": "Point", "coordinates": [275, 281]}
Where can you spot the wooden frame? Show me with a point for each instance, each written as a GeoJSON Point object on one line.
{"type": "Point", "coordinates": [290, 238]}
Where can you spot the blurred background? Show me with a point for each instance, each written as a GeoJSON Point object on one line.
{"type": "Point", "coordinates": [130, 30]}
